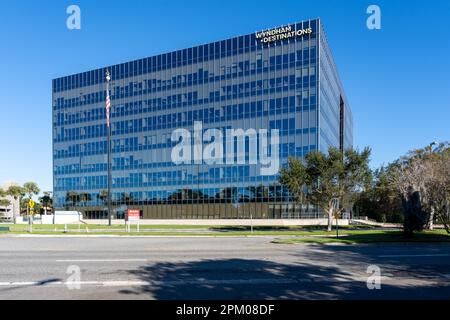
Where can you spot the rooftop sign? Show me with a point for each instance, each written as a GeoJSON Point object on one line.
{"type": "Point", "coordinates": [281, 34]}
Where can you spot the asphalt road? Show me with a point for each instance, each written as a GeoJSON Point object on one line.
{"type": "Point", "coordinates": [217, 268]}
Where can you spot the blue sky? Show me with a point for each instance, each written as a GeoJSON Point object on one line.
{"type": "Point", "coordinates": [396, 78]}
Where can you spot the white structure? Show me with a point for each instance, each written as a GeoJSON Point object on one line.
{"type": "Point", "coordinates": [13, 210]}
{"type": "Point", "coordinates": [62, 217]}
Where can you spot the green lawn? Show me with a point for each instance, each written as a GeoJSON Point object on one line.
{"type": "Point", "coordinates": [50, 227]}
{"type": "Point", "coordinates": [290, 230]}
{"type": "Point", "coordinates": [296, 234]}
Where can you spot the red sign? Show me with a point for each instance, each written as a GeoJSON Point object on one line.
{"type": "Point", "coordinates": [133, 214]}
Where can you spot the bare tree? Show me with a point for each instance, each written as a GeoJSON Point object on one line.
{"type": "Point", "coordinates": [437, 185]}
{"type": "Point", "coordinates": [424, 175]}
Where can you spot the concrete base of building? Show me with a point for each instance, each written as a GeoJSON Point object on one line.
{"type": "Point", "coordinates": [227, 222]}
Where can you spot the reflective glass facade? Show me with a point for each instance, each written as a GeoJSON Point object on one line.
{"type": "Point", "coordinates": [289, 83]}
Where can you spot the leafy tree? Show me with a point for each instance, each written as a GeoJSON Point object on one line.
{"type": "Point", "coordinates": [31, 189]}
{"type": "Point", "coordinates": [322, 178]}
{"type": "Point", "coordinates": [381, 201]}
{"type": "Point", "coordinates": [415, 216]}
{"type": "Point", "coordinates": [295, 177]}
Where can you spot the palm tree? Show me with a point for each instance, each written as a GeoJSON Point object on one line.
{"type": "Point", "coordinates": [31, 189]}
{"type": "Point", "coordinates": [72, 196]}
{"type": "Point", "coordinates": [85, 197]}
{"type": "Point", "coordinates": [126, 198]}
{"type": "Point", "coordinates": [46, 201]}
{"type": "Point", "coordinates": [103, 196]}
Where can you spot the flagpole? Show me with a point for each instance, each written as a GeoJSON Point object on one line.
{"type": "Point", "coordinates": [108, 128]}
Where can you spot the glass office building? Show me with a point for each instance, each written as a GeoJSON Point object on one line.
{"type": "Point", "coordinates": [282, 80]}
